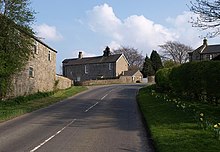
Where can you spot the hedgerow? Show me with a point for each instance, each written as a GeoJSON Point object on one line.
{"type": "Point", "coordinates": [198, 80]}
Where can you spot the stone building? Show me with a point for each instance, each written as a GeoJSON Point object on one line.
{"type": "Point", "coordinates": [205, 52]}
{"type": "Point", "coordinates": [132, 76]}
{"type": "Point", "coordinates": [40, 72]}
{"type": "Point", "coordinates": [91, 68]}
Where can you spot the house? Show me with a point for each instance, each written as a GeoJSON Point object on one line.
{"type": "Point", "coordinates": [106, 66]}
{"type": "Point", "coordinates": [132, 76]}
{"type": "Point", "coordinates": [204, 52]}
{"type": "Point", "coordinates": [40, 72]}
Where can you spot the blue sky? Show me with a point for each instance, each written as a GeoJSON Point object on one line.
{"type": "Point", "coordinates": [70, 26]}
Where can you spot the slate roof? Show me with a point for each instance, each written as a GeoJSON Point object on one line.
{"type": "Point", "coordinates": [207, 49]}
{"type": "Point", "coordinates": [92, 60]}
{"type": "Point", "coordinates": [20, 28]}
{"type": "Point", "coordinates": [210, 49]}
{"type": "Point", "coordinates": [130, 72]}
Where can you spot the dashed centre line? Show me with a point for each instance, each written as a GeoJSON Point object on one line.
{"type": "Point", "coordinates": [91, 107]}
{"type": "Point", "coordinates": [51, 137]}
{"type": "Point", "coordinates": [96, 103]}
{"type": "Point", "coordinates": [58, 132]}
{"type": "Point", "coordinates": [104, 97]}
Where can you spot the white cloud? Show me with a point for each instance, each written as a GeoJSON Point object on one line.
{"type": "Point", "coordinates": [135, 31]}
{"type": "Point", "coordinates": [48, 32]}
{"type": "Point", "coordinates": [142, 33]}
{"type": "Point", "coordinates": [85, 54]}
{"type": "Point", "coordinates": [185, 32]}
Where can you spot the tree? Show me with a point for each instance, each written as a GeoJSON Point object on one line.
{"type": "Point", "coordinates": [176, 51]}
{"type": "Point", "coordinates": [169, 64]}
{"type": "Point", "coordinates": [148, 69]}
{"type": "Point", "coordinates": [156, 61]}
{"type": "Point", "coordinates": [135, 59]}
{"type": "Point", "coordinates": [208, 15]}
{"type": "Point", "coordinates": [15, 42]}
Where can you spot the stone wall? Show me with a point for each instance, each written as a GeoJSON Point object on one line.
{"type": "Point", "coordinates": [121, 80]}
{"type": "Point", "coordinates": [62, 82]}
{"type": "Point", "coordinates": [90, 71]}
{"type": "Point", "coordinates": [39, 73]}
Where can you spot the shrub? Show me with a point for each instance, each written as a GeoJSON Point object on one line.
{"type": "Point", "coordinates": [200, 80]}
{"type": "Point", "coordinates": [162, 78]}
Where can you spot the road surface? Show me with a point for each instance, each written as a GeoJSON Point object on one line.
{"type": "Point", "coordinates": [102, 119]}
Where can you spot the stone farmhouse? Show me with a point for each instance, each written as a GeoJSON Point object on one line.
{"type": "Point", "coordinates": [40, 72]}
{"type": "Point", "coordinates": [92, 68]}
{"type": "Point", "coordinates": [205, 52]}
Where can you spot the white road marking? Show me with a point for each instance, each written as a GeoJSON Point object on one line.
{"type": "Point", "coordinates": [58, 132]}
{"type": "Point", "coordinates": [91, 107]}
{"type": "Point", "coordinates": [104, 97]}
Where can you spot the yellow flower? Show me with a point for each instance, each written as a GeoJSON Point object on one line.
{"type": "Point", "coordinates": [219, 124]}
{"type": "Point", "coordinates": [201, 119]}
{"type": "Point", "coordinates": [201, 114]}
{"type": "Point", "coordinates": [216, 126]}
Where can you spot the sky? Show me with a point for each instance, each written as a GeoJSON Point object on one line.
{"type": "Point", "coordinates": [70, 26]}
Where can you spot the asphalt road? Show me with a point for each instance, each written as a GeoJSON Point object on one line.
{"type": "Point", "coordinates": [102, 119]}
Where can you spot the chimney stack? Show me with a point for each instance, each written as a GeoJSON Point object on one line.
{"type": "Point", "coordinates": [205, 42]}
{"type": "Point", "coordinates": [80, 56]}
{"type": "Point", "coordinates": [106, 52]}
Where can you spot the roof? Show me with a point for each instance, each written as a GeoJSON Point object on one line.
{"type": "Point", "coordinates": [211, 49]}
{"type": "Point", "coordinates": [207, 49]}
{"type": "Point", "coordinates": [37, 39]}
{"type": "Point", "coordinates": [92, 60]}
{"type": "Point", "coordinates": [28, 33]}
{"type": "Point", "coordinates": [130, 72]}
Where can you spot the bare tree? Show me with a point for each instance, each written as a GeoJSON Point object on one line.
{"type": "Point", "coordinates": [208, 12]}
{"type": "Point", "coordinates": [176, 51]}
{"type": "Point", "coordinates": [135, 58]}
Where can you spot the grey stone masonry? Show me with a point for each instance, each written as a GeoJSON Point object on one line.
{"type": "Point", "coordinates": [39, 73]}
{"type": "Point", "coordinates": [92, 68]}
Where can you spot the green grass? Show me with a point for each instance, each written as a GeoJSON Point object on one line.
{"type": "Point", "coordinates": [21, 105]}
{"type": "Point", "coordinates": [175, 129]}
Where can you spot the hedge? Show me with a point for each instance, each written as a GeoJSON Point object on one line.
{"type": "Point", "coordinates": [199, 80]}
{"type": "Point", "coordinates": [162, 78]}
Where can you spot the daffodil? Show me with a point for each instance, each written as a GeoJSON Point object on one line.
{"type": "Point", "coordinates": [201, 114]}
{"type": "Point", "coordinates": [201, 119]}
{"type": "Point", "coordinates": [216, 126]}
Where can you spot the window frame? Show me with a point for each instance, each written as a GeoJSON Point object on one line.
{"type": "Point", "coordinates": [86, 69]}
{"type": "Point", "coordinates": [35, 47]}
{"type": "Point", "coordinates": [49, 56]}
{"type": "Point", "coordinates": [31, 72]}
{"type": "Point", "coordinates": [110, 66]}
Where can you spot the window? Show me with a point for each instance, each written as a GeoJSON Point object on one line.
{"type": "Point", "coordinates": [35, 47]}
{"type": "Point", "coordinates": [49, 56]}
{"type": "Point", "coordinates": [110, 66]}
{"type": "Point", "coordinates": [31, 72]}
{"type": "Point", "coordinates": [78, 79]}
{"type": "Point", "coordinates": [86, 69]}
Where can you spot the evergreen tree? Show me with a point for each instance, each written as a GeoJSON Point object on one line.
{"type": "Point", "coordinates": [148, 69]}
{"type": "Point", "coordinates": [15, 41]}
{"type": "Point", "coordinates": [156, 61]}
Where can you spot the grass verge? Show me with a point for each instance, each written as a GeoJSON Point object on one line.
{"type": "Point", "coordinates": [174, 126]}
{"type": "Point", "coordinates": [21, 105]}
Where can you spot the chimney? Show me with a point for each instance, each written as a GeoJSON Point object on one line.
{"type": "Point", "coordinates": [80, 56]}
{"type": "Point", "coordinates": [205, 42]}
{"type": "Point", "coordinates": [106, 52]}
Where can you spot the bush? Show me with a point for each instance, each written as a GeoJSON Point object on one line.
{"type": "Point", "coordinates": [162, 78]}
{"type": "Point", "coordinates": [200, 80]}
